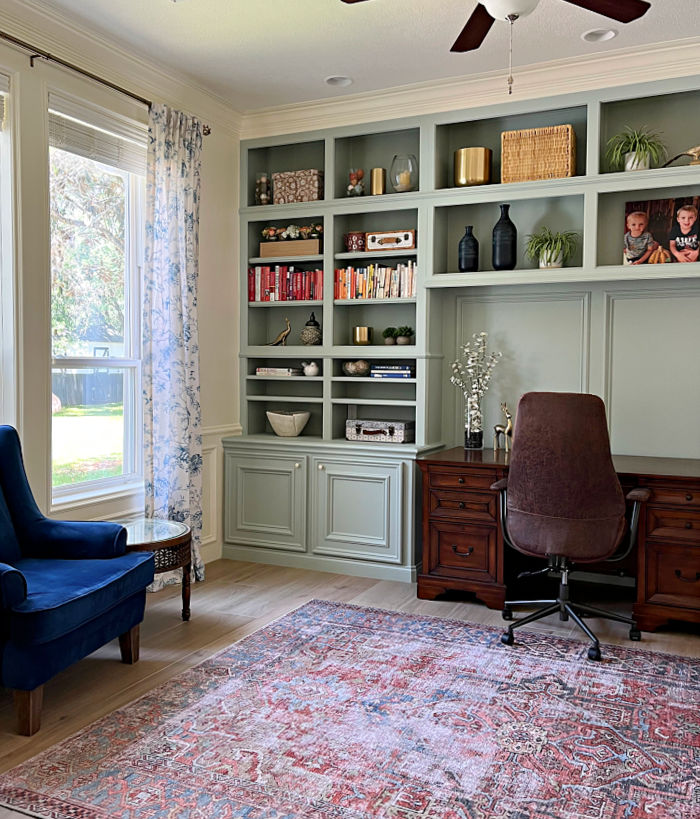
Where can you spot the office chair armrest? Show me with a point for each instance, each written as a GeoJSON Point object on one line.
{"type": "Point", "coordinates": [13, 586]}
{"type": "Point", "coordinates": [499, 486]}
{"type": "Point", "coordinates": [638, 495]}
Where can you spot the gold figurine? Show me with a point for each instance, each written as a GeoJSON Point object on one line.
{"type": "Point", "coordinates": [282, 336]}
{"type": "Point", "coordinates": [506, 431]}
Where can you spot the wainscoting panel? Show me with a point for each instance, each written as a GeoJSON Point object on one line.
{"type": "Point", "coordinates": [653, 371]}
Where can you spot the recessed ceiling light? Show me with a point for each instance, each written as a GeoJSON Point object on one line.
{"type": "Point", "coordinates": [339, 81]}
{"type": "Point", "coordinates": [599, 35]}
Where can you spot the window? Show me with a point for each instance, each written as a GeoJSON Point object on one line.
{"type": "Point", "coordinates": [96, 218]}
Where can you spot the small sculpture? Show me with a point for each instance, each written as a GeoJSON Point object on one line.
{"type": "Point", "coordinates": [281, 338]}
{"type": "Point", "coordinates": [506, 431]}
{"type": "Point", "coordinates": [262, 189]}
{"type": "Point", "coordinates": [310, 368]}
{"type": "Point", "coordinates": [311, 332]}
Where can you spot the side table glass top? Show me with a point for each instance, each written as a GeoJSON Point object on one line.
{"type": "Point", "coordinates": [151, 530]}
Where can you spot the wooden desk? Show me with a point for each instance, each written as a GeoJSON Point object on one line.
{"type": "Point", "coordinates": [463, 545]}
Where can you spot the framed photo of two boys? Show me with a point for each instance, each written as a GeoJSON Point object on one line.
{"type": "Point", "coordinates": [661, 231]}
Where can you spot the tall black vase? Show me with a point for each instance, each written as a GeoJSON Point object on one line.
{"type": "Point", "coordinates": [468, 260]}
{"type": "Point", "coordinates": [505, 237]}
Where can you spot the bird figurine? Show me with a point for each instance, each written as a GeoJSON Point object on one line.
{"type": "Point", "coordinates": [694, 153]}
{"type": "Point", "coordinates": [281, 339]}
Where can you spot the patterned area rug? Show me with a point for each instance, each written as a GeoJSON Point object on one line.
{"type": "Point", "coordinates": [340, 712]}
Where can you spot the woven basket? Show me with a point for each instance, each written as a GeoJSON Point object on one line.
{"type": "Point", "coordinates": [538, 153]}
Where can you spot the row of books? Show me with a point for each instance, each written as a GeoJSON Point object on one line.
{"type": "Point", "coordinates": [392, 371]}
{"type": "Point", "coordinates": [283, 282]}
{"type": "Point", "coordinates": [277, 371]}
{"type": "Point", "coordinates": [376, 282]}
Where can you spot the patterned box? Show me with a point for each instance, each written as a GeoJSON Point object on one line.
{"type": "Point", "coordinates": [385, 432]}
{"type": "Point", "coordinates": [297, 186]}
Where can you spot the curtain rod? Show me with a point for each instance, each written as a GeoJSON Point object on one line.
{"type": "Point", "coordinates": [44, 55]}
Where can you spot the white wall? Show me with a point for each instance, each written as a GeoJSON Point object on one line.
{"type": "Point", "coordinates": [218, 288]}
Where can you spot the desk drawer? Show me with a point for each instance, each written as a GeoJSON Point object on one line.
{"type": "Point", "coordinates": [467, 505]}
{"type": "Point", "coordinates": [462, 479]}
{"type": "Point", "coordinates": [463, 551]}
{"type": "Point", "coordinates": [673, 575]}
{"type": "Point", "coordinates": [673, 524]}
{"type": "Point", "coordinates": [675, 496]}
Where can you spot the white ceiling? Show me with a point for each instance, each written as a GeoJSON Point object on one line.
{"type": "Point", "coordinates": [275, 52]}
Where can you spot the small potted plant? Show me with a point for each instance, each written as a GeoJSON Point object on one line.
{"type": "Point", "coordinates": [635, 149]}
{"type": "Point", "coordinates": [389, 334]}
{"type": "Point", "coordinates": [550, 248]}
{"type": "Point", "coordinates": [403, 335]}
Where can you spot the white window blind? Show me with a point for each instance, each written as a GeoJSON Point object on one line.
{"type": "Point", "coordinates": [97, 134]}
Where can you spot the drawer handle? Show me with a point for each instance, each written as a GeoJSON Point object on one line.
{"type": "Point", "coordinates": [460, 480]}
{"type": "Point", "coordinates": [460, 505]}
{"type": "Point", "coordinates": [462, 554]}
{"type": "Point", "coordinates": [679, 575]}
{"type": "Point", "coordinates": [688, 524]}
{"type": "Point", "coordinates": [688, 496]}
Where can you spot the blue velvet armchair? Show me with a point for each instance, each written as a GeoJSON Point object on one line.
{"type": "Point", "coordinates": [66, 588]}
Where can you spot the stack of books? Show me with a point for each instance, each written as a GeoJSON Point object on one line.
{"type": "Point", "coordinates": [392, 371]}
{"type": "Point", "coordinates": [375, 282]}
{"type": "Point", "coordinates": [278, 371]}
{"type": "Point", "coordinates": [283, 282]}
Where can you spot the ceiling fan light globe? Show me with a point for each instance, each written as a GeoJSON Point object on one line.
{"type": "Point", "coordinates": [503, 9]}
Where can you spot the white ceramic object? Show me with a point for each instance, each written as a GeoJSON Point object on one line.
{"type": "Point", "coordinates": [310, 368]}
{"type": "Point", "coordinates": [547, 260]}
{"type": "Point", "coordinates": [287, 424]}
{"type": "Point", "coordinates": [635, 162]}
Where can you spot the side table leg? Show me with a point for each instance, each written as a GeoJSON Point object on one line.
{"type": "Point", "coordinates": [186, 591]}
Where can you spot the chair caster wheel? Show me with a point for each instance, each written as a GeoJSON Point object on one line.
{"type": "Point", "coordinates": [507, 638]}
{"type": "Point", "coordinates": [507, 614]}
{"type": "Point", "coordinates": [635, 634]}
{"type": "Point", "coordinates": [594, 653]}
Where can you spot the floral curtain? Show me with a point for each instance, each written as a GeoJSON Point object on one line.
{"type": "Point", "coordinates": [172, 420]}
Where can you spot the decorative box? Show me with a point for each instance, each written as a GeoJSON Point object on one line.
{"type": "Point", "coordinates": [538, 153]}
{"type": "Point", "coordinates": [295, 247]}
{"type": "Point", "coordinates": [391, 240]}
{"type": "Point", "coordinates": [385, 432]}
{"type": "Point", "coordinates": [297, 186]}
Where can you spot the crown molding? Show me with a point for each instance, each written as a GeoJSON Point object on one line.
{"type": "Point", "coordinates": [51, 31]}
{"type": "Point", "coordinates": [680, 58]}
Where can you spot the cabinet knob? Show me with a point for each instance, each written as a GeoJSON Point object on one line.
{"type": "Point", "coordinates": [460, 505]}
{"type": "Point", "coordinates": [688, 496]}
{"type": "Point", "coordinates": [297, 465]}
{"type": "Point", "coordinates": [460, 480]}
{"type": "Point", "coordinates": [688, 524]}
{"type": "Point", "coordinates": [321, 467]}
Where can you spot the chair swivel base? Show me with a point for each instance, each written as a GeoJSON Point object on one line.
{"type": "Point", "coordinates": [566, 609]}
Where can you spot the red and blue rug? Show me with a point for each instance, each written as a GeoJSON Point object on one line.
{"type": "Point", "coordinates": [340, 712]}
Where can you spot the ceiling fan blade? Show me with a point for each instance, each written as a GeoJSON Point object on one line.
{"type": "Point", "coordinates": [473, 33]}
{"type": "Point", "coordinates": [624, 11]}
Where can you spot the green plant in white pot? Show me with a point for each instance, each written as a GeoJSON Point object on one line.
{"type": "Point", "coordinates": [635, 149]}
{"type": "Point", "coordinates": [551, 248]}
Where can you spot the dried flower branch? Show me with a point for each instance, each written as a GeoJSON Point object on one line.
{"type": "Point", "coordinates": [472, 374]}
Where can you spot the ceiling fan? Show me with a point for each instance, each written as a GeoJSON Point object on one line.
{"type": "Point", "coordinates": [484, 15]}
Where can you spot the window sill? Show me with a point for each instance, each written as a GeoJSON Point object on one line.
{"type": "Point", "coordinates": [99, 495]}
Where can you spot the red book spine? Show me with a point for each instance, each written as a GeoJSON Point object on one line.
{"type": "Point", "coordinates": [251, 284]}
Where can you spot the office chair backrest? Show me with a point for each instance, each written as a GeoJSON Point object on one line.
{"type": "Point", "coordinates": [564, 497]}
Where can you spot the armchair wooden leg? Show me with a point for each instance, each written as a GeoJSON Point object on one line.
{"type": "Point", "coordinates": [28, 710]}
{"type": "Point", "coordinates": [129, 645]}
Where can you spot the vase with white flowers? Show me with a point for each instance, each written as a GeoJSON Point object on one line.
{"type": "Point", "coordinates": [472, 374]}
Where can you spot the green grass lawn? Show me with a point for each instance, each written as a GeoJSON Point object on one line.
{"type": "Point", "coordinates": [88, 443]}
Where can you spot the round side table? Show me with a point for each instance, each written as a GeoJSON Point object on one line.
{"type": "Point", "coordinates": [171, 544]}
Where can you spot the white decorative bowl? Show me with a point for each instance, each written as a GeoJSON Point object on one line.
{"type": "Point", "coordinates": [287, 424]}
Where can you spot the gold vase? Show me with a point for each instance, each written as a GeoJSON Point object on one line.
{"type": "Point", "coordinates": [361, 335]}
{"type": "Point", "coordinates": [472, 166]}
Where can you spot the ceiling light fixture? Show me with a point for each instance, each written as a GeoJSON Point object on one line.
{"type": "Point", "coordinates": [338, 81]}
{"type": "Point", "coordinates": [599, 35]}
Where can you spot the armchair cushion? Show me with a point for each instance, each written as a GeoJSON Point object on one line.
{"type": "Point", "coordinates": [62, 595]}
{"type": "Point", "coordinates": [13, 586]}
{"type": "Point", "coordinates": [73, 539]}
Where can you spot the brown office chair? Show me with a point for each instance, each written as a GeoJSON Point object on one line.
{"type": "Point", "coordinates": [562, 500]}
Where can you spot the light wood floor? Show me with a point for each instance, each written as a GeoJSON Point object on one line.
{"type": "Point", "coordinates": [235, 600]}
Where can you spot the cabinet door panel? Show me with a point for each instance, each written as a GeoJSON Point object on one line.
{"type": "Point", "coordinates": [467, 551]}
{"type": "Point", "coordinates": [356, 510]}
{"type": "Point", "coordinates": [673, 575]}
{"type": "Point", "coordinates": [469, 505]}
{"type": "Point", "coordinates": [673, 524]}
{"type": "Point", "coordinates": [267, 501]}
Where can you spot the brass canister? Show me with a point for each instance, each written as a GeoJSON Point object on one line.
{"type": "Point", "coordinates": [361, 335]}
{"type": "Point", "coordinates": [472, 166]}
{"type": "Point", "coordinates": [377, 183]}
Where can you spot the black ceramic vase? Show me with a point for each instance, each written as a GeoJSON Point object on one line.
{"type": "Point", "coordinates": [468, 258]}
{"type": "Point", "coordinates": [505, 237]}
